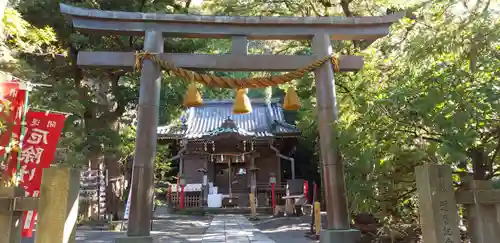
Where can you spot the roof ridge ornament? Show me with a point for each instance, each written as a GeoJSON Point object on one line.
{"type": "Point", "coordinates": [229, 123]}
{"type": "Point", "coordinates": [184, 125]}
{"type": "Point", "coordinates": [229, 126]}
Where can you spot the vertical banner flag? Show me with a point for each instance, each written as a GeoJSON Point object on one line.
{"type": "Point", "coordinates": [43, 130]}
{"type": "Point", "coordinates": [12, 95]}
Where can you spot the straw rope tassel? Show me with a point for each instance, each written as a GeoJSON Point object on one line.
{"type": "Point", "coordinates": [193, 96]}
{"type": "Point", "coordinates": [291, 101]}
{"type": "Point", "coordinates": [241, 103]}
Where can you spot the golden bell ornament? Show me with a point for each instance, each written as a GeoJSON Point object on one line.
{"type": "Point", "coordinates": [192, 97]}
{"type": "Point", "coordinates": [291, 101]}
{"type": "Point", "coordinates": [15, 148]}
{"type": "Point", "coordinates": [242, 104]}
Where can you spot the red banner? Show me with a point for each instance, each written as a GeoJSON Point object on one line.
{"type": "Point", "coordinates": [42, 134]}
{"type": "Point", "coordinates": [12, 101]}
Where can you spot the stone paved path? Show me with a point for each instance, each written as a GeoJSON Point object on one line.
{"type": "Point", "coordinates": [286, 229]}
{"type": "Point", "coordinates": [233, 229]}
{"type": "Point", "coordinates": [166, 229]}
{"type": "Point", "coordinates": [203, 229]}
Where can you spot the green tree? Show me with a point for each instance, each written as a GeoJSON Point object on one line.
{"type": "Point", "coordinates": [428, 93]}
{"type": "Point", "coordinates": [102, 101]}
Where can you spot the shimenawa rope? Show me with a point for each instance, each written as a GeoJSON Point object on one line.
{"type": "Point", "coordinates": [225, 82]}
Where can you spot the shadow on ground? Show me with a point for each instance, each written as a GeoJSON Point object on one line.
{"type": "Point", "coordinates": [286, 229]}
{"type": "Point", "coordinates": [172, 229]}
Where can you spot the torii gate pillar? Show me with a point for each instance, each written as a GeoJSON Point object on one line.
{"type": "Point", "coordinates": [145, 143]}
{"type": "Point", "coordinates": [339, 229]}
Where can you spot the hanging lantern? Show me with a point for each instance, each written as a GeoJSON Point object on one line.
{"type": "Point", "coordinates": [241, 103]}
{"type": "Point", "coordinates": [192, 97]}
{"type": "Point", "coordinates": [291, 101]}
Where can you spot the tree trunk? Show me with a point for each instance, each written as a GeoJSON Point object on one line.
{"type": "Point", "coordinates": [116, 178]}
{"type": "Point", "coordinates": [114, 191]}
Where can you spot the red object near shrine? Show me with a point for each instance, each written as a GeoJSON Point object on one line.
{"type": "Point", "coordinates": [272, 181]}
{"type": "Point", "coordinates": [181, 199]}
{"type": "Point", "coordinates": [38, 150]}
{"type": "Point", "coordinates": [273, 199]}
{"type": "Point", "coordinates": [12, 96]}
{"type": "Point", "coordinates": [306, 190]}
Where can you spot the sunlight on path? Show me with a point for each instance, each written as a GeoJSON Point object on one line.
{"type": "Point", "coordinates": [234, 229]}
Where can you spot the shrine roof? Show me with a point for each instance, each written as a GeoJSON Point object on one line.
{"type": "Point", "coordinates": [215, 117]}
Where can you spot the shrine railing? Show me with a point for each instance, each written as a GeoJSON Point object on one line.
{"type": "Point", "coordinates": [191, 200]}
{"type": "Point", "coordinates": [194, 199]}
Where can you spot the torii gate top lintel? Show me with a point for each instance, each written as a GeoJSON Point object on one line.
{"type": "Point", "coordinates": [204, 26]}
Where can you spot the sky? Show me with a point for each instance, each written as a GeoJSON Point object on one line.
{"type": "Point", "coordinates": [196, 3]}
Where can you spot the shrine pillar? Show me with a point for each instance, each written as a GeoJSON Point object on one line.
{"type": "Point", "coordinates": [253, 188]}
{"type": "Point", "coordinates": [338, 227]}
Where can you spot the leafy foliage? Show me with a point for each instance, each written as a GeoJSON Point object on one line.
{"type": "Point", "coordinates": [428, 93]}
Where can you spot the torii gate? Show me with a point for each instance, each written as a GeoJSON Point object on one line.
{"type": "Point", "coordinates": [155, 26]}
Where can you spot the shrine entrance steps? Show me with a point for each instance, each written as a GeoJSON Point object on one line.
{"type": "Point", "coordinates": [230, 228]}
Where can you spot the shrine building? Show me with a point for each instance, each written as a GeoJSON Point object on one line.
{"type": "Point", "coordinates": [210, 140]}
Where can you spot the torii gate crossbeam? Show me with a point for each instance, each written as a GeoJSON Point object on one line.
{"type": "Point", "coordinates": [155, 26]}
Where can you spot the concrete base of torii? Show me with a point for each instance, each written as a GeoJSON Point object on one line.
{"type": "Point", "coordinates": [136, 239]}
{"type": "Point", "coordinates": [339, 236]}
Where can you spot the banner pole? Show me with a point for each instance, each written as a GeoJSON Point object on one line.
{"type": "Point", "coordinates": [23, 131]}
